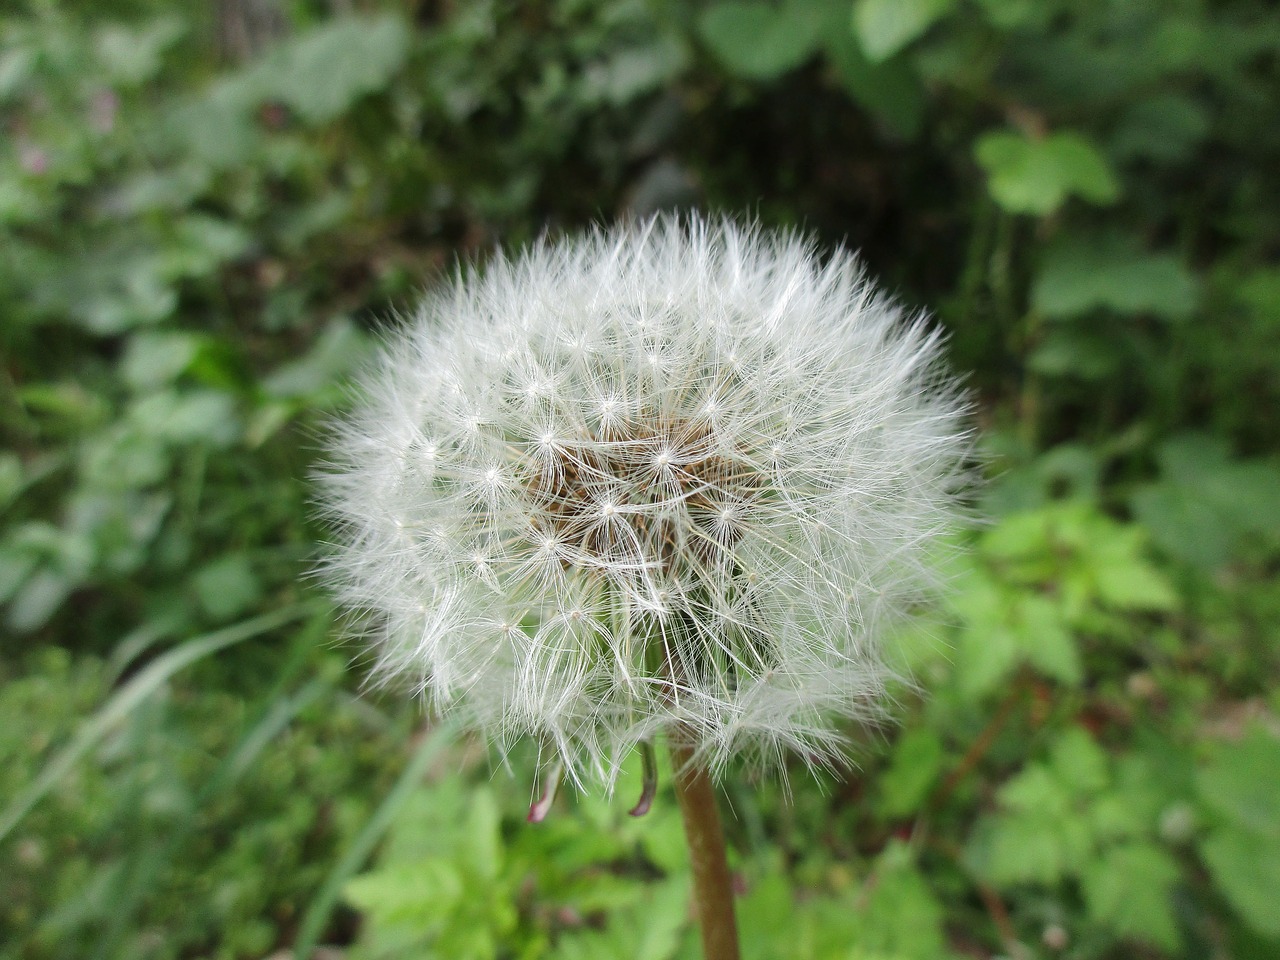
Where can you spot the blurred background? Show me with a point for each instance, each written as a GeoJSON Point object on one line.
{"type": "Point", "coordinates": [208, 211]}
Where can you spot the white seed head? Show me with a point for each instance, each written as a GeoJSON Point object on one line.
{"type": "Point", "coordinates": [703, 529]}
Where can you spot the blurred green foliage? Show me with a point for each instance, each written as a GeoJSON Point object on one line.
{"type": "Point", "coordinates": [208, 211]}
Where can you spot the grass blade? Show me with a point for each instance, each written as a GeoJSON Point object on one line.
{"type": "Point", "coordinates": [134, 692]}
{"type": "Point", "coordinates": [321, 906]}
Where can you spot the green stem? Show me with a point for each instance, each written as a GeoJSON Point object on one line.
{"type": "Point", "coordinates": [712, 885]}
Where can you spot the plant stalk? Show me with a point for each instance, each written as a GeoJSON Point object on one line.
{"type": "Point", "coordinates": [712, 885]}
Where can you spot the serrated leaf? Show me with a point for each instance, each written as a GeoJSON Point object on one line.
{"type": "Point", "coordinates": [1029, 847]}
{"type": "Point", "coordinates": [886, 26]}
{"type": "Point", "coordinates": [1183, 524]}
{"type": "Point", "coordinates": [1079, 762]}
{"type": "Point", "coordinates": [760, 40]}
{"type": "Point", "coordinates": [1135, 586]}
{"type": "Point", "coordinates": [423, 893]}
{"type": "Point", "coordinates": [900, 891]}
{"type": "Point", "coordinates": [1047, 640]}
{"type": "Point", "coordinates": [983, 658]}
{"type": "Point", "coordinates": [1128, 889]}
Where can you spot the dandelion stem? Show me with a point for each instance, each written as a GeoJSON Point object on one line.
{"type": "Point", "coordinates": [712, 885]}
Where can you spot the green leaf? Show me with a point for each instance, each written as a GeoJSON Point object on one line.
{"type": "Point", "coordinates": [316, 916]}
{"type": "Point", "coordinates": [1088, 272]}
{"type": "Point", "coordinates": [191, 416]}
{"type": "Point", "coordinates": [649, 928]}
{"type": "Point", "coordinates": [916, 765]}
{"type": "Point", "coordinates": [1184, 524]}
{"type": "Point", "coordinates": [984, 657]}
{"type": "Point", "coordinates": [127, 698]}
{"type": "Point", "coordinates": [1239, 781]}
{"type": "Point", "coordinates": [482, 836]}
{"type": "Point", "coordinates": [227, 587]}
{"type": "Point", "coordinates": [1086, 354]}
{"type": "Point", "coordinates": [1135, 586]}
{"type": "Point", "coordinates": [899, 891]}
{"type": "Point", "coordinates": [1165, 127]}
{"type": "Point", "coordinates": [1128, 889]}
{"type": "Point", "coordinates": [131, 56]}
{"type": "Point", "coordinates": [333, 353]}
{"type": "Point", "coordinates": [1037, 176]}
{"type": "Point", "coordinates": [324, 71]}
{"type": "Point", "coordinates": [760, 40]}
{"type": "Point", "coordinates": [154, 359]}
{"type": "Point", "coordinates": [1047, 639]}
{"type": "Point", "coordinates": [886, 26]}
{"type": "Point", "coordinates": [1034, 846]}
{"type": "Point", "coordinates": [891, 91]}
{"type": "Point", "coordinates": [1078, 761]}
{"type": "Point", "coordinates": [1246, 868]}
{"type": "Point", "coordinates": [1206, 503]}
{"type": "Point", "coordinates": [420, 894]}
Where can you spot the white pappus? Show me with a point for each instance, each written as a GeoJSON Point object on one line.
{"type": "Point", "coordinates": [676, 478]}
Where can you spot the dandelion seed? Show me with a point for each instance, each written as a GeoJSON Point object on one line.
{"type": "Point", "coordinates": [681, 478]}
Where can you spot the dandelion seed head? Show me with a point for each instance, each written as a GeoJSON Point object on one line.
{"type": "Point", "coordinates": [681, 476]}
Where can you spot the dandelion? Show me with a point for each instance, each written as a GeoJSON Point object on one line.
{"type": "Point", "coordinates": [670, 480]}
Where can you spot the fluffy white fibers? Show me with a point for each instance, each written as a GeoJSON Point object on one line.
{"type": "Point", "coordinates": [676, 478]}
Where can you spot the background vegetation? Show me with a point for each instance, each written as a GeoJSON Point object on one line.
{"type": "Point", "coordinates": [207, 212]}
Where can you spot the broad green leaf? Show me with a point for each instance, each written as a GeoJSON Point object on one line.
{"type": "Point", "coordinates": [886, 26]}
{"type": "Point", "coordinates": [916, 765]}
{"type": "Point", "coordinates": [628, 73]}
{"type": "Point", "coordinates": [1030, 847]}
{"type": "Point", "coordinates": [189, 416]}
{"type": "Point", "coordinates": [1089, 272]}
{"type": "Point", "coordinates": [227, 587]}
{"type": "Point", "coordinates": [325, 70]}
{"type": "Point", "coordinates": [1184, 524]}
{"type": "Point", "coordinates": [649, 929]}
{"type": "Point", "coordinates": [1036, 176]}
{"type": "Point", "coordinates": [333, 353]}
{"type": "Point", "coordinates": [891, 91]}
{"type": "Point", "coordinates": [1071, 352]}
{"type": "Point", "coordinates": [761, 40]}
{"type": "Point", "coordinates": [983, 659]}
{"type": "Point", "coordinates": [899, 890]}
{"type": "Point", "coordinates": [37, 599]}
{"type": "Point", "coordinates": [1128, 890]}
{"type": "Point", "coordinates": [1241, 781]}
{"type": "Point", "coordinates": [1047, 640]}
{"type": "Point", "coordinates": [1246, 868]}
{"type": "Point", "coordinates": [131, 56]}
{"type": "Point", "coordinates": [1135, 585]}
{"type": "Point", "coordinates": [155, 358]}
{"type": "Point", "coordinates": [1164, 127]}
